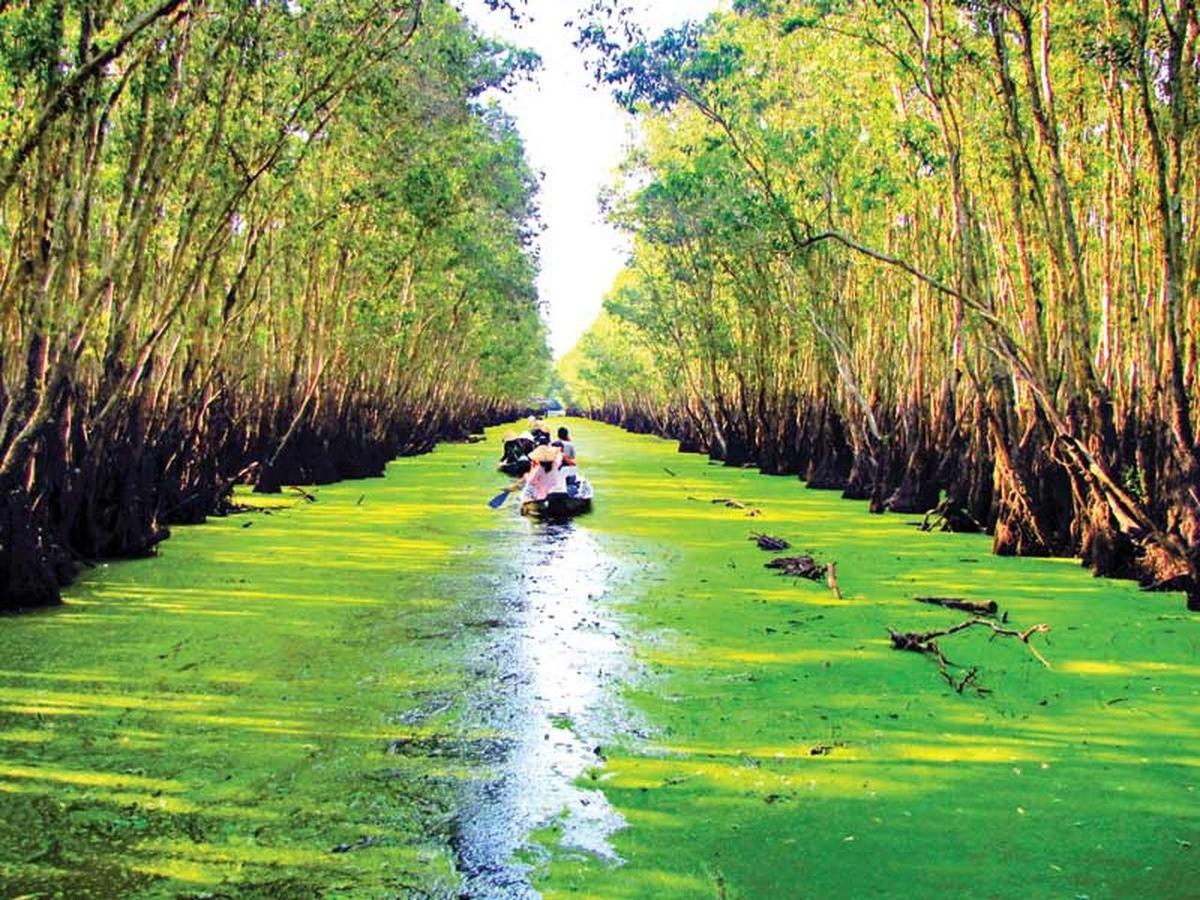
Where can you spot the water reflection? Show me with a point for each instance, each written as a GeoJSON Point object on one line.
{"type": "Point", "coordinates": [550, 693]}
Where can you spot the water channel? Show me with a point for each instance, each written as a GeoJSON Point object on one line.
{"type": "Point", "coordinates": [395, 691]}
{"type": "Point", "coordinates": [552, 669]}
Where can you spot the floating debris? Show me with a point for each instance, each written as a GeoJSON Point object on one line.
{"type": "Point", "coordinates": [979, 607]}
{"type": "Point", "coordinates": [926, 642]}
{"type": "Point", "coordinates": [803, 566]}
{"type": "Point", "coordinates": [767, 542]}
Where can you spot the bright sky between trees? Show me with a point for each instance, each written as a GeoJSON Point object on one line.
{"type": "Point", "coordinates": [574, 135]}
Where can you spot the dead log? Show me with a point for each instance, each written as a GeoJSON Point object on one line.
{"type": "Point", "coordinates": [767, 542]}
{"type": "Point", "coordinates": [797, 566]}
{"type": "Point", "coordinates": [805, 566]}
{"type": "Point", "coordinates": [984, 608]}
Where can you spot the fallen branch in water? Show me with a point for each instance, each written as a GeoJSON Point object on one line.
{"type": "Point", "coordinates": [767, 542]}
{"type": "Point", "coordinates": [797, 566]}
{"type": "Point", "coordinates": [805, 566]}
{"type": "Point", "coordinates": [926, 642]}
{"type": "Point", "coordinates": [751, 511]}
{"type": "Point", "coordinates": [980, 608]}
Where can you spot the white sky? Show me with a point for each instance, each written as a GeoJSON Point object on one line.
{"type": "Point", "coordinates": [575, 136]}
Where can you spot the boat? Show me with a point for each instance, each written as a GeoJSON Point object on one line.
{"type": "Point", "coordinates": [515, 461]}
{"type": "Point", "coordinates": [561, 505]}
{"type": "Point", "coordinates": [513, 468]}
{"type": "Point", "coordinates": [521, 453]}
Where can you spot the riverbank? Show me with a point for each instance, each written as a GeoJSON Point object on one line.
{"type": "Point", "coordinates": [385, 691]}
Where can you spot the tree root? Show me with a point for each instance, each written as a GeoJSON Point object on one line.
{"type": "Point", "coordinates": [926, 642]}
{"type": "Point", "coordinates": [948, 516]}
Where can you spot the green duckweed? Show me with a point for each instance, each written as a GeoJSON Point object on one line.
{"type": "Point", "coordinates": [216, 721]}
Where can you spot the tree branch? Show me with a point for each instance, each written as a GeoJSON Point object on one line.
{"type": "Point", "coordinates": [59, 101]}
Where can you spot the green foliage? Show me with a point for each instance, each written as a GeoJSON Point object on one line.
{"type": "Point", "coordinates": [320, 181]}
{"type": "Point", "coordinates": [773, 129]}
{"type": "Point", "coordinates": [30, 42]}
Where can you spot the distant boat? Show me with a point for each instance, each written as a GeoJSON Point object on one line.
{"type": "Point", "coordinates": [546, 406]}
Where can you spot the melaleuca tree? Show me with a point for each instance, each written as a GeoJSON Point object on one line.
{"type": "Point", "coordinates": [949, 203]}
{"type": "Point", "coordinates": [244, 241]}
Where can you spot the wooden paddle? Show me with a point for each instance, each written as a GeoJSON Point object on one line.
{"type": "Point", "coordinates": [498, 501]}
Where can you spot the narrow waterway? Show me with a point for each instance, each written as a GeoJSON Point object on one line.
{"type": "Point", "coordinates": [549, 688]}
{"type": "Point", "coordinates": [397, 691]}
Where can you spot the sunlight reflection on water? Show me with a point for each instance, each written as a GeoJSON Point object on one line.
{"type": "Point", "coordinates": [552, 695]}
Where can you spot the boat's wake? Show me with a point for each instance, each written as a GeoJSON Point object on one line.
{"type": "Point", "coordinates": [550, 694]}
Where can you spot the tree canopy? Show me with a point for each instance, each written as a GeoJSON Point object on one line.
{"type": "Point", "coordinates": [264, 241]}
{"type": "Point", "coordinates": [924, 250]}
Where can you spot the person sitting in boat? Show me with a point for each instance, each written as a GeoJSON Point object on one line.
{"type": "Point", "coordinates": [538, 431]}
{"type": "Point", "coordinates": [514, 462]}
{"type": "Point", "coordinates": [569, 472]}
{"type": "Point", "coordinates": [568, 447]}
{"type": "Point", "coordinates": [545, 475]}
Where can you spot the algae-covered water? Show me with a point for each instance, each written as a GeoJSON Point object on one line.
{"type": "Point", "coordinates": [397, 691]}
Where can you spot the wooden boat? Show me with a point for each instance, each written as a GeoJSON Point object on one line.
{"type": "Point", "coordinates": [556, 506]}
{"type": "Point", "coordinates": [515, 468]}
{"type": "Point", "coordinates": [561, 506]}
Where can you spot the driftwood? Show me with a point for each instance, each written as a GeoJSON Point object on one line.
{"type": "Point", "coordinates": [751, 511]}
{"type": "Point", "coordinates": [984, 608]}
{"type": "Point", "coordinates": [798, 566]}
{"type": "Point", "coordinates": [766, 542]}
{"type": "Point", "coordinates": [926, 642]}
{"type": "Point", "coordinates": [804, 566]}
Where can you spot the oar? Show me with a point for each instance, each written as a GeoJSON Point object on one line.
{"type": "Point", "coordinates": [498, 501]}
